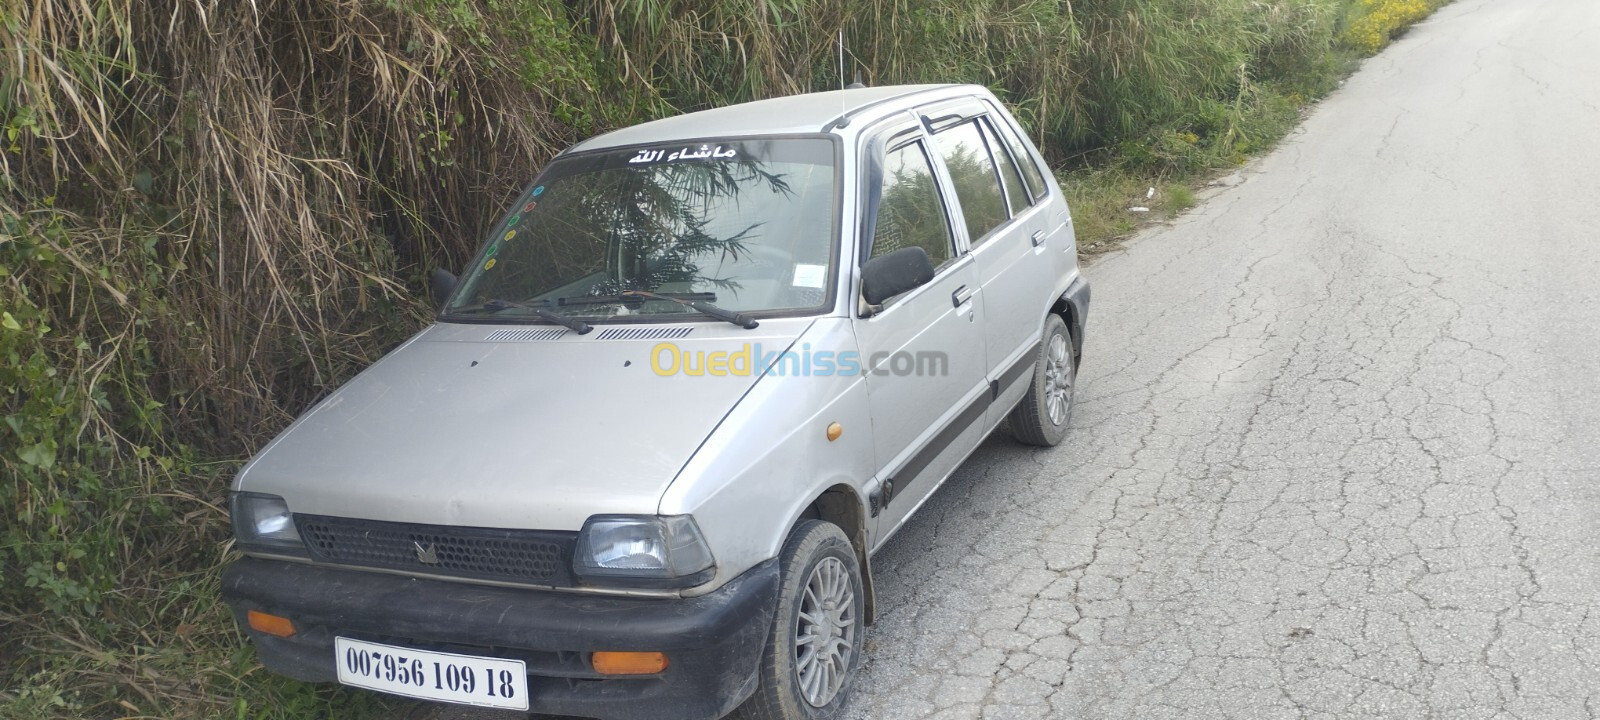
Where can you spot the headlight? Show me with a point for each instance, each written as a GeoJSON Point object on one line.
{"type": "Point", "coordinates": [262, 523]}
{"type": "Point", "coordinates": [643, 551]}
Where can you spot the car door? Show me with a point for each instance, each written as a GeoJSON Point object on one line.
{"type": "Point", "coordinates": [922, 352]}
{"type": "Point", "coordinates": [1008, 238]}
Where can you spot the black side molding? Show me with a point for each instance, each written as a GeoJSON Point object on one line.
{"type": "Point", "coordinates": [1014, 373]}
{"type": "Point", "coordinates": [919, 462]}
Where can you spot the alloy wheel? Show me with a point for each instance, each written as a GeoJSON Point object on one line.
{"type": "Point", "coordinates": [825, 632]}
{"type": "Point", "coordinates": [1058, 379]}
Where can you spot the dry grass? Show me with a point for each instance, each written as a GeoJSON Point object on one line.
{"type": "Point", "coordinates": [208, 215]}
{"type": "Point", "coordinates": [281, 161]}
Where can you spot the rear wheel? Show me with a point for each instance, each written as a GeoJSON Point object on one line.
{"type": "Point", "coordinates": [1042, 415]}
{"type": "Point", "coordinates": [815, 644]}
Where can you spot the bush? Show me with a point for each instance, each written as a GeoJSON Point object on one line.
{"type": "Point", "coordinates": [1376, 22]}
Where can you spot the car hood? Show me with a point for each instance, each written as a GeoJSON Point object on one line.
{"type": "Point", "coordinates": [461, 426]}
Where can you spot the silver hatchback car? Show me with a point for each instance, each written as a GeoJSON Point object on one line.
{"type": "Point", "coordinates": [698, 374]}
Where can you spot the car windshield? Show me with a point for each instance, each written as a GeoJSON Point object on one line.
{"type": "Point", "coordinates": [746, 225]}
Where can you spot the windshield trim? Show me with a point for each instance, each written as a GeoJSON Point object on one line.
{"type": "Point", "coordinates": [836, 227]}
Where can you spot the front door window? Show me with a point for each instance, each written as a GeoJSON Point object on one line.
{"type": "Point", "coordinates": [910, 211]}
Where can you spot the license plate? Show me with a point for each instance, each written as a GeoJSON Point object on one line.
{"type": "Point", "coordinates": [445, 677]}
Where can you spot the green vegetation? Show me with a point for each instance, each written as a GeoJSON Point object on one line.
{"type": "Point", "coordinates": [211, 213]}
{"type": "Point", "coordinates": [1375, 22]}
{"type": "Point", "coordinates": [1179, 198]}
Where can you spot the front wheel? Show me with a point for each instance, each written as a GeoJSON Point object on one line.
{"type": "Point", "coordinates": [1041, 417]}
{"type": "Point", "coordinates": [815, 644]}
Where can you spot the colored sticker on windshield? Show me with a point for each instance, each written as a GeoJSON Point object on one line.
{"type": "Point", "coordinates": [538, 191]}
{"type": "Point", "coordinates": [489, 265]}
{"type": "Point", "coordinates": [514, 219]}
{"type": "Point", "coordinates": [509, 234]}
{"type": "Point", "coordinates": [529, 207]}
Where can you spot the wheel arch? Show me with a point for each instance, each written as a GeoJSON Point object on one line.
{"type": "Point", "coordinates": [1073, 307]}
{"type": "Point", "coordinates": [843, 506]}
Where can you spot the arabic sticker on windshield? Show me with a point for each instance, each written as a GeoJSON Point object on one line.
{"type": "Point", "coordinates": [704, 152]}
{"type": "Point", "coordinates": [809, 276]}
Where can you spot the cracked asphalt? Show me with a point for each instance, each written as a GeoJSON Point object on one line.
{"type": "Point", "coordinates": [1335, 449]}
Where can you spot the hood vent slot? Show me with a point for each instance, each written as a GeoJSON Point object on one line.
{"type": "Point", "coordinates": [666, 333]}
{"type": "Point", "coordinates": [525, 335]}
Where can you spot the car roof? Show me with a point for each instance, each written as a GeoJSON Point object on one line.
{"type": "Point", "coordinates": [792, 114]}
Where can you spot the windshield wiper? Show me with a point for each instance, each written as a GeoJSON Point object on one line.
{"type": "Point", "coordinates": [699, 302]}
{"type": "Point", "coordinates": [538, 311]}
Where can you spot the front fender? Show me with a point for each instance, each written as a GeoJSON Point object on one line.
{"type": "Point", "coordinates": [770, 457]}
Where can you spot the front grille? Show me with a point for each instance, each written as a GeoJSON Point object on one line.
{"type": "Point", "coordinates": [540, 557]}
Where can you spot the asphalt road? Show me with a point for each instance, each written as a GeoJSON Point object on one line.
{"type": "Point", "coordinates": [1338, 436]}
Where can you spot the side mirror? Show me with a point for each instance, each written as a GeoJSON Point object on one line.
{"type": "Point", "coordinates": [890, 274]}
{"type": "Point", "coordinates": [441, 284]}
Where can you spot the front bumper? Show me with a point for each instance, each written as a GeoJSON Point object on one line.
{"type": "Point", "coordinates": [713, 642]}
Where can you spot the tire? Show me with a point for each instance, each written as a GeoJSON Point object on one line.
{"type": "Point", "coordinates": [1036, 420]}
{"type": "Point", "coordinates": [815, 551]}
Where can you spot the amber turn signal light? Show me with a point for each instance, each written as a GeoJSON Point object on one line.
{"type": "Point", "coordinates": [270, 624]}
{"type": "Point", "coordinates": [629, 663]}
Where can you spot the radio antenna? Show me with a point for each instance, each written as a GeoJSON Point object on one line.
{"type": "Point", "coordinates": [841, 59]}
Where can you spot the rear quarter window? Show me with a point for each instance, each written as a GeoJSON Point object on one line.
{"type": "Point", "coordinates": [1016, 193]}
{"type": "Point", "coordinates": [1020, 151]}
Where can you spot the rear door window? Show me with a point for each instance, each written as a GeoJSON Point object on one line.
{"type": "Point", "coordinates": [972, 173]}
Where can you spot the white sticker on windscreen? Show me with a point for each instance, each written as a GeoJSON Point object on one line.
{"type": "Point", "coordinates": [809, 276]}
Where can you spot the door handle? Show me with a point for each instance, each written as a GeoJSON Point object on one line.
{"type": "Point", "coordinates": [1038, 238]}
{"type": "Point", "coordinates": [961, 295]}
